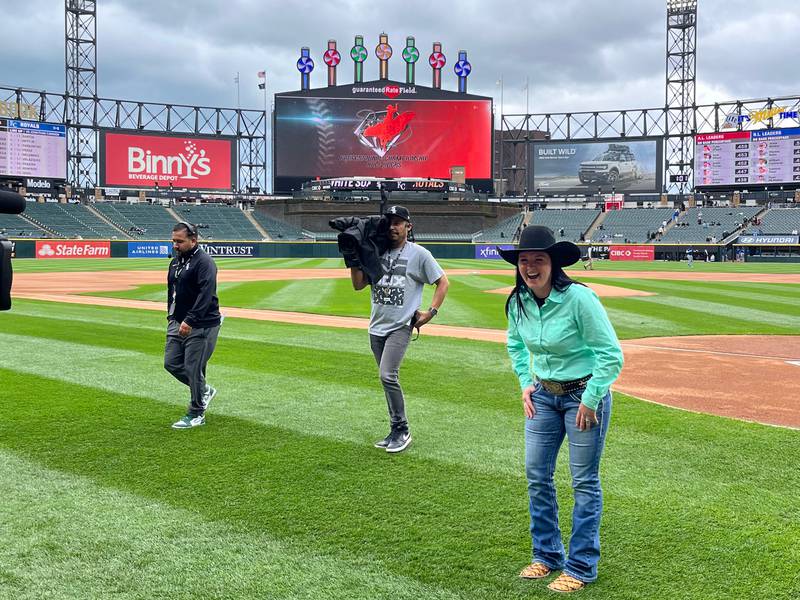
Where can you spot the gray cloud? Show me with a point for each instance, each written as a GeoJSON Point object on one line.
{"type": "Point", "coordinates": [578, 54]}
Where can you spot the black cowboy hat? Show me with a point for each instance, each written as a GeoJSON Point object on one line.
{"type": "Point", "coordinates": [541, 239]}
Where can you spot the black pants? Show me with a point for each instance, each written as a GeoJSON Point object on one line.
{"type": "Point", "coordinates": [186, 359]}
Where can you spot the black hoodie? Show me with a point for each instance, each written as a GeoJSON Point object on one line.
{"type": "Point", "coordinates": [192, 282]}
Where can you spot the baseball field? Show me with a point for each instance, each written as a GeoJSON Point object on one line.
{"type": "Point", "coordinates": [281, 494]}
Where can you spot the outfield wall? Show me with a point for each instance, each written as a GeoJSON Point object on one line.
{"type": "Point", "coordinates": [99, 249]}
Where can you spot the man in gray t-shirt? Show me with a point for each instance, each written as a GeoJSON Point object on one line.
{"type": "Point", "coordinates": [396, 299]}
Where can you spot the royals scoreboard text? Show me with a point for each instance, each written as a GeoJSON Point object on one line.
{"type": "Point", "coordinates": [33, 149]}
{"type": "Point", "coordinates": [748, 158]}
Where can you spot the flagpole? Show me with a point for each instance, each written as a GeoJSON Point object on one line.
{"type": "Point", "coordinates": [238, 103]}
{"type": "Point", "coordinates": [527, 96]}
{"type": "Point", "coordinates": [267, 149]}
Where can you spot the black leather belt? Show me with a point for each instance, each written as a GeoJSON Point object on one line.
{"type": "Point", "coordinates": [560, 388]}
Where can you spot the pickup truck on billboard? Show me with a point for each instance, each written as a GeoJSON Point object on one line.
{"type": "Point", "coordinates": [617, 163]}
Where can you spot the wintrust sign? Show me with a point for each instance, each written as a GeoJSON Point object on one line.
{"type": "Point", "coordinates": [72, 249]}
{"type": "Point", "coordinates": [230, 249]}
{"type": "Point", "coordinates": [135, 160]}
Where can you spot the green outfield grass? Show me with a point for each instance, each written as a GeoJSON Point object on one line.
{"type": "Point", "coordinates": [28, 265]}
{"type": "Point", "coordinates": [677, 308]}
{"type": "Point", "coordinates": [281, 495]}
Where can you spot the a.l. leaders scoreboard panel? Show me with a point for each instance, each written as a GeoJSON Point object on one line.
{"type": "Point", "coordinates": [33, 149]}
{"type": "Point", "coordinates": [765, 157]}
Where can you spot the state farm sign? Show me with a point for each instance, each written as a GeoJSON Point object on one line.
{"type": "Point", "coordinates": [632, 253]}
{"type": "Point", "coordinates": [137, 160]}
{"type": "Point", "coordinates": [72, 249]}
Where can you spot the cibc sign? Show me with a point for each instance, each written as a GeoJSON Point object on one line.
{"type": "Point", "coordinates": [131, 159]}
{"type": "Point", "coordinates": [632, 253]}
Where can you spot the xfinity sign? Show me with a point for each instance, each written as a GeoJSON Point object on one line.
{"type": "Point", "coordinates": [489, 251]}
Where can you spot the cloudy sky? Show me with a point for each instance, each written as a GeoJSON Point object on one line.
{"type": "Point", "coordinates": [578, 54]}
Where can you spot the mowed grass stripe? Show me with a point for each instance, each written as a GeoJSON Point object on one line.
{"type": "Point", "coordinates": [631, 324]}
{"type": "Point", "coordinates": [461, 531]}
{"type": "Point", "coordinates": [31, 264]}
{"type": "Point", "coordinates": [299, 389]}
{"type": "Point", "coordinates": [779, 298]}
{"type": "Point", "coordinates": [710, 319]}
{"type": "Point", "coordinates": [767, 318]}
{"type": "Point", "coordinates": [89, 541]}
{"type": "Point", "coordinates": [293, 486]}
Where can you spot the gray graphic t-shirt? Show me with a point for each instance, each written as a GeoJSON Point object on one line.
{"type": "Point", "coordinates": [398, 294]}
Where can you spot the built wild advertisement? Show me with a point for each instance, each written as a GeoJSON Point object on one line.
{"type": "Point", "coordinates": [582, 167]}
{"type": "Point", "coordinates": [395, 131]}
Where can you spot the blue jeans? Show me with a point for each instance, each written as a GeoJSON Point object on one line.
{"type": "Point", "coordinates": [544, 433]}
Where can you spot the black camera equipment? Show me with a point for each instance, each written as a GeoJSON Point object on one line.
{"type": "Point", "coordinates": [10, 204]}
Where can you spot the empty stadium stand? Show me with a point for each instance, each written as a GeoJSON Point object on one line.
{"type": "Point", "coordinates": [140, 220]}
{"type": "Point", "coordinates": [277, 229]}
{"type": "Point", "coordinates": [503, 232]}
{"type": "Point", "coordinates": [18, 227]}
{"type": "Point", "coordinates": [630, 224]}
{"type": "Point", "coordinates": [71, 221]}
{"type": "Point", "coordinates": [716, 223]}
{"type": "Point", "coordinates": [574, 222]}
{"type": "Point", "coordinates": [218, 221]}
{"type": "Point", "coordinates": [779, 221]}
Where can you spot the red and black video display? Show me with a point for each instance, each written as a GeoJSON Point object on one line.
{"type": "Point", "coordinates": [381, 137]}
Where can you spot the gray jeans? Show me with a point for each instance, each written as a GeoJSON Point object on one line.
{"type": "Point", "coordinates": [389, 351]}
{"type": "Point", "coordinates": [186, 359]}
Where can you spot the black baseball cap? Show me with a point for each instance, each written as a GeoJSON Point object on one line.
{"type": "Point", "coordinates": [398, 211]}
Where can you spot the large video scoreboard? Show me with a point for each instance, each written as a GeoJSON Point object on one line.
{"type": "Point", "coordinates": [382, 130]}
{"type": "Point", "coordinates": [33, 149]}
{"type": "Point", "coordinates": [765, 157]}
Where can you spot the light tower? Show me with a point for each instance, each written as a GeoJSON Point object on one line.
{"type": "Point", "coordinates": [680, 91]}
{"type": "Point", "coordinates": [80, 55]}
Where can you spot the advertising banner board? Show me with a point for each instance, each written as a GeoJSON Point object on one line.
{"type": "Point", "coordinates": [584, 167]}
{"type": "Point", "coordinates": [131, 159]}
{"type": "Point", "coordinates": [72, 249]}
{"type": "Point", "coordinates": [632, 253]}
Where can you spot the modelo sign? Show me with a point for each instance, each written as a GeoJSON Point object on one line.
{"type": "Point", "coordinates": [137, 160]}
{"type": "Point", "coordinates": [72, 249]}
{"type": "Point", "coordinates": [632, 253]}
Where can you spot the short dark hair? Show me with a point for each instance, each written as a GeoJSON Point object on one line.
{"type": "Point", "coordinates": [190, 229]}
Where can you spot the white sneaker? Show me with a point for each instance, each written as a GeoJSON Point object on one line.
{"type": "Point", "coordinates": [208, 396]}
{"type": "Point", "coordinates": [187, 422]}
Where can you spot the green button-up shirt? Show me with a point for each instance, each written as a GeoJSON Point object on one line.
{"type": "Point", "coordinates": [569, 338]}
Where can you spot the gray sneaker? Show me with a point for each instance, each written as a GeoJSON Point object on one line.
{"type": "Point", "coordinates": [208, 396]}
{"type": "Point", "coordinates": [400, 440]}
{"type": "Point", "coordinates": [384, 442]}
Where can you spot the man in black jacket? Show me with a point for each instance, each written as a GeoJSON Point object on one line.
{"type": "Point", "coordinates": [193, 321]}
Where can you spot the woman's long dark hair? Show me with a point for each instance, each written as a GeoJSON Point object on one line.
{"type": "Point", "coordinates": [560, 280]}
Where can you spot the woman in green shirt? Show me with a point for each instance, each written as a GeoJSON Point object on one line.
{"type": "Point", "coordinates": [566, 355]}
